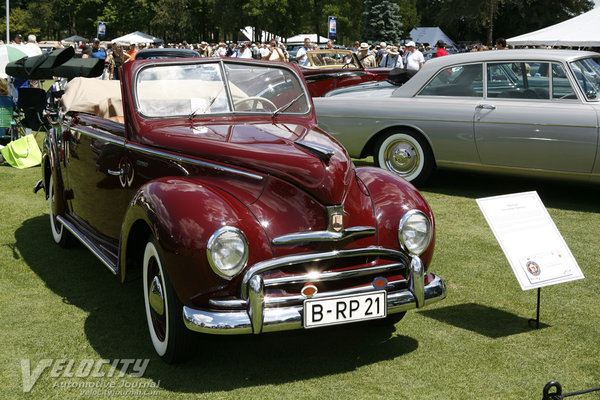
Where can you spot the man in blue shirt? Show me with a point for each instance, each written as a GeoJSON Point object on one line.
{"type": "Point", "coordinates": [301, 56]}
{"type": "Point", "coordinates": [97, 51]}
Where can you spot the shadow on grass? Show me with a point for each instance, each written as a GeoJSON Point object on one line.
{"type": "Point", "coordinates": [560, 194]}
{"type": "Point", "coordinates": [116, 328]}
{"type": "Point", "coordinates": [487, 321]}
{"type": "Point", "coordinates": [554, 193]}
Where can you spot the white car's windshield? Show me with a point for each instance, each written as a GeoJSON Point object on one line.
{"type": "Point", "coordinates": [587, 73]}
{"type": "Point", "coordinates": [198, 89]}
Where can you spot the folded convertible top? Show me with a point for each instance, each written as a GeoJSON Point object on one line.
{"type": "Point", "coordinates": [56, 63]}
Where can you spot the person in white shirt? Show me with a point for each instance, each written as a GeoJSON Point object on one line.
{"type": "Point", "coordinates": [392, 59]}
{"type": "Point", "coordinates": [301, 56]}
{"type": "Point", "coordinates": [413, 59]}
{"type": "Point", "coordinates": [244, 51]}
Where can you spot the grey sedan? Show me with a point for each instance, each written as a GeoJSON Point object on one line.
{"type": "Point", "coordinates": [532, 112]}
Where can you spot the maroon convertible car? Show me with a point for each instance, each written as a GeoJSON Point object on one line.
{"type": "Point", "coordinates": [212, 177]}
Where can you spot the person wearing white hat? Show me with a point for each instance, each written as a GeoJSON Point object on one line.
{"type": "Point", "coordinates": [413, 59]}
{"type": "Point", "coordinates": [392, 59]}
{"type": "Point", "coordinates": [366, 59]}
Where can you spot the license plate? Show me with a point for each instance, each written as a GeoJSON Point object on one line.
{"type": "Point", "coordinates": [343, 309]}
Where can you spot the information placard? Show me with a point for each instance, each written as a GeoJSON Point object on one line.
{"type": "Point", "coordinates": [535, 249]}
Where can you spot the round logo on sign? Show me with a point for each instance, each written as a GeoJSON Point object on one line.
{"type": "Point", "coordinates": [533, 268]}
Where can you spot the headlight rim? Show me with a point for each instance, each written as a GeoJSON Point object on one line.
{"type": "Point", "coordinates": [209, 251]}
{"type": "Point", "coordinates": [403, 220]}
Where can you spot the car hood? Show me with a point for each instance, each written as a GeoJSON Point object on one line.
{"type": "Point", "coordinates": [293, 152]}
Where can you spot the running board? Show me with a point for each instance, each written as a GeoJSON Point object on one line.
{"type": "Point", "coordinates": [111, 265]}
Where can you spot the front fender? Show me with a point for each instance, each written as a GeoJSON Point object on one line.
{"type": "Point", "coordinates": [182, 214]}
{"type": "Point", "coordinates": [392, 198]}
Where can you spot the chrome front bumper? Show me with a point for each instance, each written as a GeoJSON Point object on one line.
{"type": "Point", "coordinates": [256, 318]}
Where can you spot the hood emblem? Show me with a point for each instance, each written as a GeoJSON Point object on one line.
{"type": "Point", "coordinates": [336, 218]}
{"type": "Point", "coordinates": [337, 222]}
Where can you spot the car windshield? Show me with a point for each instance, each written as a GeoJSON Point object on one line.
{"type": "Point", "coordinates": [332, 59]}
{"type": "Point", "coordinates": [194, 90]}
{"type": "Point", "coordinates": [587, 73]}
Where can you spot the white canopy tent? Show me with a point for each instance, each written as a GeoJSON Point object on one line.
{"type": "Point", "coordinates": [580, 31]}
{"type": "Point", "coordinates": [299, 39]}
{"type": "Point", "coordinates": [137, 37]}
{"type": "Point", "coordinates": [265, 36]}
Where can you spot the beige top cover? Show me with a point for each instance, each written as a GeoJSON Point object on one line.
{"type": "Point", "coordinates": [94, 96]}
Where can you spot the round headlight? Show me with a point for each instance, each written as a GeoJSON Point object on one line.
{"type": "Point", "coordinates": [414, 232]}
{"type": "Point", "coordinates": [227, 251]}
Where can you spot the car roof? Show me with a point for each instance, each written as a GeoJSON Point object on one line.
{"type": "Point", "coordinates": [166, 52]}
{"type": "Point", "coordinates": [435, 64]}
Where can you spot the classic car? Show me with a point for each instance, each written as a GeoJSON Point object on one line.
{"type": "Point", "coordinates": [333, 68]}
{"type": "Point", "coordinates": [532, 112]}
{"type": "Point", "coordinates": [238, 212]}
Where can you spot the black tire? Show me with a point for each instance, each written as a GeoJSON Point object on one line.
{"type": "Point", "coordinates": [407, 154]}
{"type": "Point", "coordinates": [60, 234]}
{"type": "Point", "coordinates": [168, 333]}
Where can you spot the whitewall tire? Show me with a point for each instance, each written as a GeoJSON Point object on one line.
{"type": "Point", "coordinates": [406, 154]}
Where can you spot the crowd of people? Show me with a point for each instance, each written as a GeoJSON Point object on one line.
{"type": "Point", "coordinates": [408, 55]}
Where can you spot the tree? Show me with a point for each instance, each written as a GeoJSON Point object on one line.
{"type": "Point", "coordinates": [381, 21]}
{"type": "Point", "coordinates": [408, 15]}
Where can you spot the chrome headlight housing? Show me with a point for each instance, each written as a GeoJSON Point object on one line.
{"type": "Point", "coordinates": [227, 251]}
{"type": "Point", "coordinates": [415, 232]}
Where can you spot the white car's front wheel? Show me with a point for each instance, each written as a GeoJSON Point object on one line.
{"type": "Point", "coordinates": [406, 154]}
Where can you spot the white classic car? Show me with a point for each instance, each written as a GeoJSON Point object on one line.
{"type": "Point", "coordinates": [532, 112]}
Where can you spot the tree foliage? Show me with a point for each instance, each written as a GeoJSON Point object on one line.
{"type": "Point", "coordinates": [216, 20]}
{"type": "Point", "coordinates": [381, 22]}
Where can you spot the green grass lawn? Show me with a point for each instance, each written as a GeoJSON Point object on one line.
{"type": "Point", "coordinates": [476, 344]}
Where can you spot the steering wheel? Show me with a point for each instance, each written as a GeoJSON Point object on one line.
{"type": "Point", "coordinates": [256, 100]}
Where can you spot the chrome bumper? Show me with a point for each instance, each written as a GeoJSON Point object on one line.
{"type": "Point", "coordinates": [256, 318]}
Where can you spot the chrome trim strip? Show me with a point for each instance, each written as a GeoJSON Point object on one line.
{"type": "Point", "coordinates": [88, 132]}
{"type": "Point", "coordinates": [328, 276]}
{"type": "Point", "coordinates": [256, 303]}
{"type": "Point", "coordinates": [417, 281]}
{"type": "Point", "coordinates": [87, 243]}
{"type": "Point", "coordinates": [282, 301]}
{"type": "Point", "coordinates": [323, 151]}
{"type": "Point", "coordinates": [274, 263]}
{"type": "Point", "coordinates": [323, 236]}
{"type": "Point", "coordinates": [287, 318]}
{"type": "Point", "coordinates": [231, 303]}
{"type": "Point", "coordinates": [182, 159]}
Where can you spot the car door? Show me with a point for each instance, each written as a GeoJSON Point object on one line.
{"type": "Point", "coordinates": [443, 109]}
{"type": "Point", "coordinates": [536, 122]}
{"type": "Point", "coordinates": [97, 175]}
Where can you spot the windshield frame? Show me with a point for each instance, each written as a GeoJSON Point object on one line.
{"type": "Point", "coordinates": [225, 80]}
{"type": "Point", "coordinates": [582, 62]}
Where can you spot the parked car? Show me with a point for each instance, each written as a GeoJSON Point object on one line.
{"type": "Point", "coordinates": [157, 53]}
{"type": "Point", "coordinates": [335, 68]}
{"type": "Point", "coordinates": [532, 112]}
{"type": "Point", "coordinates": [242, 215]}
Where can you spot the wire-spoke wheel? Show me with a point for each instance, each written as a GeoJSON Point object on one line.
{"type": "Point", "coordinates": [406, 154]}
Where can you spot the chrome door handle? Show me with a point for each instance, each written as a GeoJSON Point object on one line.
{"type": "Point", "coordinates": [115, 173]}
{"type": "Point", "coordinates": [486, 106]}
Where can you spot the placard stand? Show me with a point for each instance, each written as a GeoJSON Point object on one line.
{"type": "Point", "coordinates": [536, 321]}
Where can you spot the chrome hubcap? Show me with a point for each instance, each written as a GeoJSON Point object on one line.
{"type": "Point", "coordinates": [156, 300]}
{"type": "Point", "coordinates": [402, 158]}
{"type": "Point", "coordinates": [155, 297]}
